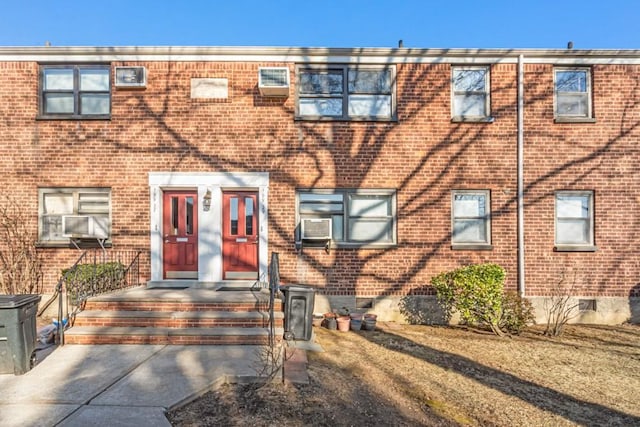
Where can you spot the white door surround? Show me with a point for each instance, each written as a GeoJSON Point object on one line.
{"type": "Point", "coordinates": [209, 221]}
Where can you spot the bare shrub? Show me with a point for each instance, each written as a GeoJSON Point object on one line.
{"type": "Point", "coordinates": [559, 307]}
{"type": "Point", "coordinates": [20, 262]}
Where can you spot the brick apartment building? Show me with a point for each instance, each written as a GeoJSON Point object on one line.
{"type": "Point", "coordinates": [368, 170]}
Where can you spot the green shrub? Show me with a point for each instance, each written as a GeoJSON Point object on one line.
{"type": "Point", "coordinates": [475, 292]}
{"type": "Point", "coordinates": [517, 313]}
{"type": "Point", "coordinates": [85, 280]}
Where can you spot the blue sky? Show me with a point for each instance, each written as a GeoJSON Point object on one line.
{"type": "Point", "coordinates": [590, 24]}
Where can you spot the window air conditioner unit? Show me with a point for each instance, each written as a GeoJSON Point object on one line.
{"type": "Point", "coordinates": [131, 77]}
{"type": "Point", "coordinates": [83, 226]}
{"type": "Point", "coordinates": [273, 81]}
{"type": "Point", "coordinates": [316, 229]}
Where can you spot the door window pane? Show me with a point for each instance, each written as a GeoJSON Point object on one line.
{"type": "Point", "coordinates": [189, 215]}
{"type": "Point", "coordinates": [174, 216]}
{"type": "Point", "coordinates": [248, 211]}
{"type": "Point", "coordinates": [233, 215]}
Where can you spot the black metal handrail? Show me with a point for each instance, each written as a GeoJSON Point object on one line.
{"type": "Point", "coordinates": [94, 273]}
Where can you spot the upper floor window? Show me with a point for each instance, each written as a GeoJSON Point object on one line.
{"type": "Point", "coordinates": [341, 92]}
{"type": "Point", "coordinates": [572, 93]}
{"type": "Point", "coordinates": [470, 219]}
{"type": "Point", "coordinates": [358, 217]}
{"type": "Point", "coordinates": [574, 220]}
{"type": "Point", "coordinates": [66, 213]}
{"type": "Point", "coordinates": [470, 93]}
{"type": "Point", "coordinates": [75, 91]}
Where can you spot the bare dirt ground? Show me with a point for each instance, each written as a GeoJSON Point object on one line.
{"type": "Point", "coordinates": [404, 375]}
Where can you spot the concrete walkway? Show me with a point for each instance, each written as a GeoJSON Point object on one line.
{"type": "Point", "coordinates": [119, 385]}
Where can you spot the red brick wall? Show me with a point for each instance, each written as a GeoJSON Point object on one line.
{"type": "Point", "coordinates": [601, 157]}
{"type": "Point", "coordinates": [423, 155]}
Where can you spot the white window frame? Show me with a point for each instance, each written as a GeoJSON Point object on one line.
{"type": "Point", "coordinates": [75, 194]}
{"type": "Point", "coordinates": [460, 116]}
{"type": "Point", "coordinates": [76, 92]}
{"type": "Point", "coordinates": [588, 94]}
{"type": "Point", "coordinates": [347, 239]}
{"type": "Point", "coordinates": [456, 241]}
{"type": "Point", "coordinates": [589, 244]}
{"type": "Point", "coordinates": [344, 95]}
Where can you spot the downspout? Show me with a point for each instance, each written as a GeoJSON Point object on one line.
{"type": "Point", "coordinates": [521, 275]}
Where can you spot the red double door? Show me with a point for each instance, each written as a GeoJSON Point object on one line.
{"type": "Point", "coordinates": [240, 236]}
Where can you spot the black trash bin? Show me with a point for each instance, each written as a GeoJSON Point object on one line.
{"type": "Point", "coordinates": [298, 311]}
{"type": "Point", "coordinates": [17, 333]}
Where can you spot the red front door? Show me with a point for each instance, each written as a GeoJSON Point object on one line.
{"type": "Point", "coordinates": [180, 234]}
{"type": "Point", "coordinates": [240, 235]}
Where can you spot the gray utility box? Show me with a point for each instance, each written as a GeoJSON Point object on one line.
{"type": "Point", "coordinates": [17, 333]}
{"type": "Point", "coordinates": [298, 311]}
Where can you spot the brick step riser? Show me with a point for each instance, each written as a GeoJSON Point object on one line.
{"type": "Point", "coordinates": [182, 307]}
{"type": "Point", "coordinates": [176, 323]}
{"type": "Point", "coordinates": [172, 340]}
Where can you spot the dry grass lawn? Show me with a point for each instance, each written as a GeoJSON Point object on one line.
{"type": "Point", "coordinates": [424, 375]}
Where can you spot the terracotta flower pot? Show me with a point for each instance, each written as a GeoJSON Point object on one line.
{"type": "Point", "coordinates": [343, 323]}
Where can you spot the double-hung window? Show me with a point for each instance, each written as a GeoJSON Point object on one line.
{"type": "Point", "coordinates": [572, 93]}
{"type": "Point", "coordinates": [341, 92]}
{"type": "Point", "coordinates": [358, 217]}
{"type": "Point", "coordinates": [470, 94]}
{"type": "Point", "coordinates": [574, 220]}
{"type": "Point", "coordinates": [66, 213]}
{"type": "Point", "coordinates": [75, 91]}
{"type": "Point", "coordinates": [470, 219]}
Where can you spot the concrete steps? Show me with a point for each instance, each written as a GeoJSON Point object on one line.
{"type": "Point", "coordinates": [177, 316]}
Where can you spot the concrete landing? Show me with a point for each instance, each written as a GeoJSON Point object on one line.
{"type": "Point", "coordinates": [119, 385]}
